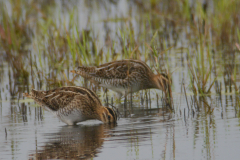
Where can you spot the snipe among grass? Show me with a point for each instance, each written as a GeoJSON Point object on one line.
{"type": "Point", "coordinates": [73, 104]}
{"type": "Point", "coordinates": [124, 76]}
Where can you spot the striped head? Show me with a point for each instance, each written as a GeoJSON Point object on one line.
{"type": "Point", "coordinates": [108, 115]}
{"type": "Point", "coordinates": [161, 81]}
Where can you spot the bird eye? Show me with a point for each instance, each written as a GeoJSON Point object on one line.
{"type": "Point", "coordinates": [109, 117]}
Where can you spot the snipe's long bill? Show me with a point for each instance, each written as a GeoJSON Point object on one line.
{"type": "Point", "coordinates": [124, 76]}
{"type": "Point", "coordinates": [73, 104]}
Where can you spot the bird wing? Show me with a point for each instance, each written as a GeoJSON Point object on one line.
{"type": "Point", "coordinates": [65, 97]}
{"type": "Point", "coordinates": [121, 69]}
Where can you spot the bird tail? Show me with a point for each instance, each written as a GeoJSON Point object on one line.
{"type": "Point", "coordinates": [27, 95]}
{"type": "Point", "coordinates": [86, 72]}
{"type": "Point", "coordinates": [34, 94]}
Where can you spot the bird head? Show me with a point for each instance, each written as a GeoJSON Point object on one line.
{"type": "Point", "coordinates": [108, 115]}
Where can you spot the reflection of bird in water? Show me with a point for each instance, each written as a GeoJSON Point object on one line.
{"type": "Point", "coordinates": [74, 142]}
{"type": "Point", "coordinates": [124, 76]}
{"type": "Point", "coordinates": [73, 104]}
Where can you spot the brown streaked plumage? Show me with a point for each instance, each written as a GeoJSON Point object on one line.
{"type": "Point", "coordinates": [73, 104]}
{"type": "Point", "coordinates": [124, 76]}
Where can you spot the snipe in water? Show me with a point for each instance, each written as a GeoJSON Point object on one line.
{"type": "Point", "coordinates": [73, 104]}
{"type": "Point", "coordinates": [124, 76]}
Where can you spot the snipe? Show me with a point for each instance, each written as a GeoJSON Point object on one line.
{"type": "Point", "coordinates": [73, 104]}
{"type": "Point", "coordinates": [124, 76]}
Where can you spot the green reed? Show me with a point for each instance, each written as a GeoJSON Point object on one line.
{"type": "Point", "coordinates": [59, 45]}
{"type": "Point", "coordinates": [200, 72]}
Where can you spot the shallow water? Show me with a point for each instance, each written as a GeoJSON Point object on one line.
{"type": "Point", "coordinates": [146, 130]}
{"type": "Point", "coordinates": [143, 134]}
